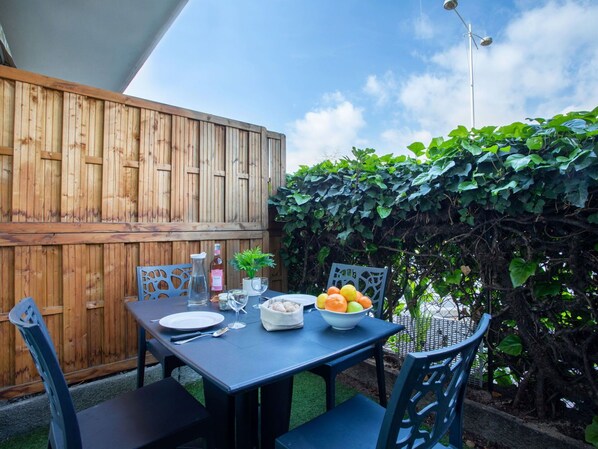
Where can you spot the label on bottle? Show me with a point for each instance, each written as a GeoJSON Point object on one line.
{"type": "Point", "coordinates": [216, 280]}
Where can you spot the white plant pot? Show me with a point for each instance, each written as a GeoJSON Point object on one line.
{"type": "Point", "coordinates": [247, 287]}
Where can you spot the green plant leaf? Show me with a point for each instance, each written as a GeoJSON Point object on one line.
{"type": "Point", "coordinates": [383, 211]}
{"type": "Point", "coordinates": [301, 199]}
{"type": "Point", "coordinates": [467, 185]}
{"type": "Point", "coordinates": [511, 345]}
{"type": "Point", "coordinates": [591, 433]}
{"type": "Point", "coordinates": [417, 148]}
{"type": "Point", "coordinates": [252, 260]}
{"type": "Point", "coordinates": [519, 161]}
{"type": "Point", "coordinates": [323, 254]}
{"type": "Point", "coordinates": [453, 278]}
{"type": "Point", "coordinates": [520, 271]}
{"type": "Point", "coordinates": [535, 143]}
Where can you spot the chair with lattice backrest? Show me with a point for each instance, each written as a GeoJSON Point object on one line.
{"type": "Point", "coordinates": [158, 282]}
{"type": "Point", "coordinates": [372, 283]}
{"type": "Point", "coordinates": [425, 405]}
{"type": "Point", "coordinates": [160, 415]}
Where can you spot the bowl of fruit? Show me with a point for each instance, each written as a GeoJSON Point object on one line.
{"type": "Point", "coordinates": [343, 308]}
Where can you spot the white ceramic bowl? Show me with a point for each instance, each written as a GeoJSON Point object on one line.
{"type": "Point", "coordinates": [343, 321]}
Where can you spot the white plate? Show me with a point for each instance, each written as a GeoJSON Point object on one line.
{"type": "Point", "coordinates": [306, 300]}
{"type": "Point", "coordinates": [190, 321]}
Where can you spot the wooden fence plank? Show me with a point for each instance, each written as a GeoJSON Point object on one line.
{"type": "Point", "coordinates": [114, 311]}
{"type": "Point", "coordinates": [208, 211]}
{"type": "Point", "coordinates": [7, 330]}
{"type": "Point", "coordinates": [74, 274]}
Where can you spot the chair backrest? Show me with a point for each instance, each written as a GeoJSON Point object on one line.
{"type": "Point", "coordinates": [163, 281]}
{"type": "Point", "coordinates": [368, 280]}
{"type": "Point", "coordinates": [427, 399]}
{"type": "Point", "coordinates": [64, 427]}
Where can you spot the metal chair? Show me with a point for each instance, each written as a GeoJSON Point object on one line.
{"type": "Point", "coordinates": [371, 282]}
{"type": "Point", "coordinates": [426, 404]}
{"type": "Point", "coordinates": [161, 415]}
{"type": "Point", "coordinates": [157, 282]}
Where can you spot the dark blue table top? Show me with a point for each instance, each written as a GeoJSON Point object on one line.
{"type": "Point", "coordinates": [251, 357]}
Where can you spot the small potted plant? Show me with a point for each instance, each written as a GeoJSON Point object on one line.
{"type": "Point", "coordinates": [251, 261]}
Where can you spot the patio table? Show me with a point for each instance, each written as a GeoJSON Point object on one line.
{"type": "Point", "coordinates": [241, 362]}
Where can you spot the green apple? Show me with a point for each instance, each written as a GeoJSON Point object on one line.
{"type": "Point", "coordinates": [354, 306]}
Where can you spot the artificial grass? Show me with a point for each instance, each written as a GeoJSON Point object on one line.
{"type": "Point", "coordinates": [309, 401]}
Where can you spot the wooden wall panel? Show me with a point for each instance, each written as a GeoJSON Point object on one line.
{"type": "Point", "coordinates": [5, 188]}
{"type": "Point", "coordinates": [94, 305]}
{"type": "Point", "coordinates": [7, 331]}
{"type": "Point", "coordinates": [114, 331]}
{"type": "Point", "coordinates": [7, 118]}
{"type": "Point", "coordinates": [75, 333]}
{"type": "Point", "coordinates": [93, 184]}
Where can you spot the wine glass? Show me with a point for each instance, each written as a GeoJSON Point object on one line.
{"type": "Point", "coordinates": [260, 285]}
{"type": "Point", "coordinates": [237, 299]}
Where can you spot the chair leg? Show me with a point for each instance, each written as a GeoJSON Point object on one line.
{"type": "Point", "coordinates": [456, 428]}
{"type": "Point", "coordinates": [379, 357]}
{"type": "Point", "coordinates": [167, 369]}
{"type": "Point", "coordinates": [140, 360]}
{"type": "Point", "coordinates": [330, 391]}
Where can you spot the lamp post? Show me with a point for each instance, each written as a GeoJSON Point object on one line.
{"type": "Point", "coordinates": [451, 5]}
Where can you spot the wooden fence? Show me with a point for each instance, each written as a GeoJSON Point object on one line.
{"type": "Point", "coordinates": [94, 183]}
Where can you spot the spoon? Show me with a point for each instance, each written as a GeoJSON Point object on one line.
{"type": "Point", "coordinates": [216, 333]}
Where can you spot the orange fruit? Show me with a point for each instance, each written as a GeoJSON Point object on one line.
{"type": "Point", "coordinates": [332, 290]}
{"type": "Point", "coordinates": [358, 295]}
{"type": "Point", "coordinates": [336, 302]}
{"type": "Point", "coordinates": [349, 292]}
{"type": "Point", "coordinates": [365, 302]}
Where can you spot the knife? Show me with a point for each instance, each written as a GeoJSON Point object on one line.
{"type": "Point", "coordinates": [188, 335]}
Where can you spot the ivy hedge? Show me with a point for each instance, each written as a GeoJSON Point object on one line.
{"type": "Point", "coordinates": [499, 219]}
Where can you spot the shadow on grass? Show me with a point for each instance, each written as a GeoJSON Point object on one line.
{"type": "Point", "coordinates": [309, 401]}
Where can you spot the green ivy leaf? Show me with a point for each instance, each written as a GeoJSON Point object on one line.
{"type": "Point", "coordinates": [520, 271]}
{"type": "Point", "coordinates": [417, 148]}
{"type": "Point", "coordinates": [535, 143]}
{"type": "Point", "coordinates": [546, 289]}
{"type": "Point", "coordinates": [453, 278]}
{"type": "Point", "coordinates": [467, 185]}
{"type": "Point", "coordinates": [519, 161]}
{"type": "Point", "coordinates": [301, 199]}
{"type": "Point", "coordinates": [510, 185]}
{"type": "Point", "coordinates": [593, 218]}
{"type": "Point", "coordinates": [342, 236]}
{"type": "Point", "coordinates": [511, 345]}
{"type": "Point", "coordinates": [383, 211]}
{"type": "Point", "coordinates": [591, 433]}
{"type": "Point", "coordinates": [323, 254]}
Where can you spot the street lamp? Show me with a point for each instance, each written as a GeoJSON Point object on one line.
{"type": "Point", "coordinates": [451, 5]}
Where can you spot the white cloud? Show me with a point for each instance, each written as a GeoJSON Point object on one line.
{"type": "Point", "coordinates": [328, 132]}
{"type": "Point", "coordinates": [544, 63]}
{"type": "Point", "coordinates": [381, 89]}
{"type": "Point", "coordinates": [423, 27]}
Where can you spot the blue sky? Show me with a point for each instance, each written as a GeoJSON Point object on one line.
{"type": "Point", "coordinates": [381, 74]}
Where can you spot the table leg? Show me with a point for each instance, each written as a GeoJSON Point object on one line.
{"type": "Point", "coordinates": [246, 423]}
{"type": "Point", "coordinates": [222, 410]}
{"type": "Point", "coordinates": [235, 417]}
{"type": "Point", "coordinates": [275, 411]}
